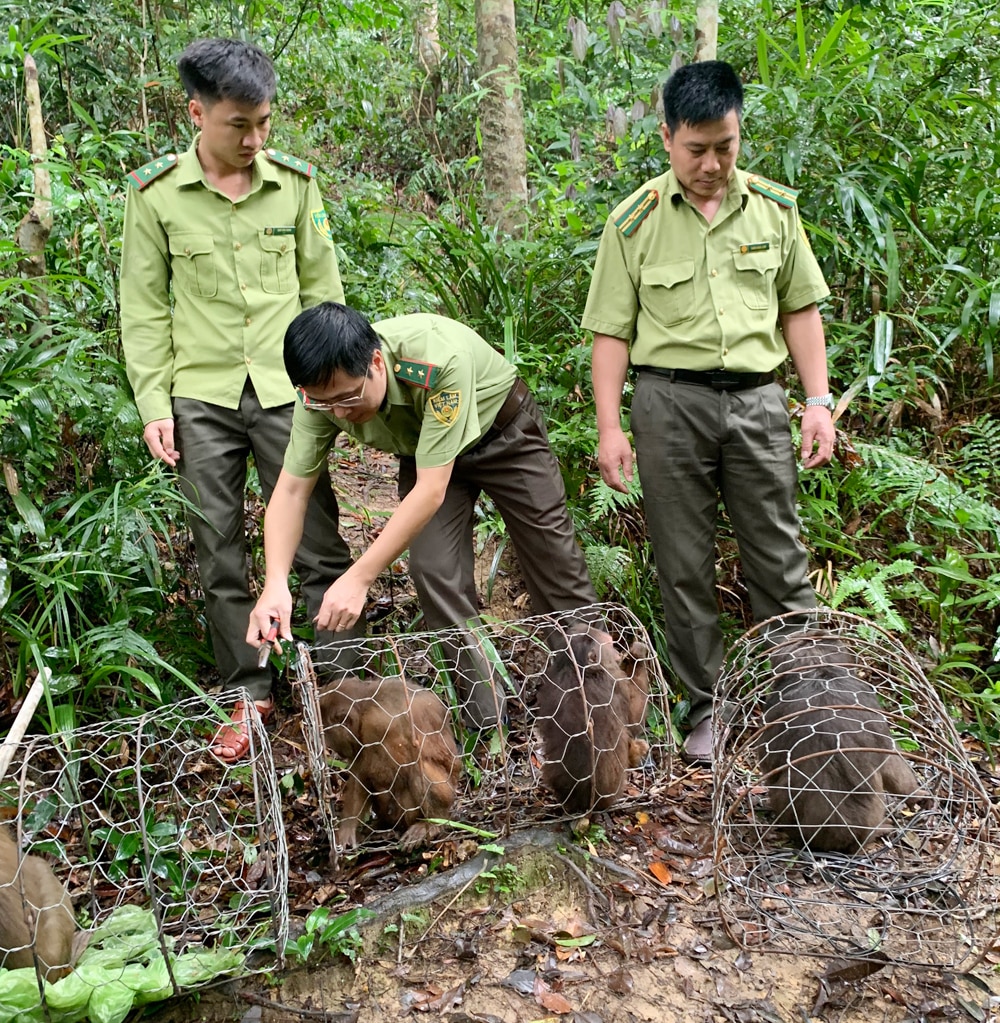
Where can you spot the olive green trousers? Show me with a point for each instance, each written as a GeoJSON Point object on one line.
{"type": "Point", "coordinates": [215, 444]}
{"type": "Point", "coordinates": [694, 444]}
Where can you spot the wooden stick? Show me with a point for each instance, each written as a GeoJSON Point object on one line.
{"type": "Point", "coordinates": [24, 716]}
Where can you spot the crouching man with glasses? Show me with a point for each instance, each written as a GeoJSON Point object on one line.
{"type": "Point", "coordinates": [434, 392]}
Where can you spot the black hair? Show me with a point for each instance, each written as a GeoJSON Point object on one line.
{"type": "Point", "coordinates": [325, 339]}
{"type": "Point", "coordinates": [214, 69]}
{"type": "Point", "coordinates": [705, 91]}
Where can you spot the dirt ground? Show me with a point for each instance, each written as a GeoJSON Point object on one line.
{"type": "Point", "coordinates": [561, 929]}
{"type": "Point", "coordinates": [614, 925]}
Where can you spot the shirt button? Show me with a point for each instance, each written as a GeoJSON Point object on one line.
{"type": "Point", "coordinates": [722, 312]}
{"type": "Point", "coordinates": [725, 351]}
{"type": "Point", "coordinates": [248, 360]}
{"type": "Point", "coordinates": [187, 252]}
{"type": "Point", "coordinates": [237, 246]}
{"type": "Point", "coordinates": [715, 273]}
{"type": "Point", "coordinates": [246, 322]}
{"type": "Point", "coordinates": [284, 248]}
{"type": "Point", "coordinates": [243, 287]}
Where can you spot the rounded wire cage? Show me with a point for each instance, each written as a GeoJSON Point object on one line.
{"type": "Point", "coordinates": [147, 832]}
{"type": "Point", "coordinates": [848, 819]}
{"type": "Point", "coordinates": [486, 680]}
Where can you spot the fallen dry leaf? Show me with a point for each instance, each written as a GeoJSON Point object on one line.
{"type": "Point", "coordinates": [661, 872]}
{"type": "Point", "coordinates": [549, 999]}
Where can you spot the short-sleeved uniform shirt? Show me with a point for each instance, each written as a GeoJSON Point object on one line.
{"type": "Point", "coordinates": [444, 388]}
{"type": "Point", "coordinates": [688, 294]}
{"type": "Point", "coordinates": [209, 286]}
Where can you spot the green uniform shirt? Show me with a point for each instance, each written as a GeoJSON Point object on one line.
{"type": "Point", "coordinates": [458, 384]}
{"type": "Point", "coordinates": [692, 295]}
{"type": "Point", "coordinates": [208, 285]}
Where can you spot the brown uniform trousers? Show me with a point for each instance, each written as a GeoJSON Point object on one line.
{"type": "Point", "coordinates": [517, 469]}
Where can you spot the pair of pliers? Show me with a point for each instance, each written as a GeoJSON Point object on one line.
{"type": "Point", "coordinates": [264, 650]}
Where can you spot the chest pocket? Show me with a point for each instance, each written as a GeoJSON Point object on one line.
{"type": "Point", "coordinates": [755, 273]}
{"type": "Point", "coordinates": [192, 264]}
{"type": "Point", "coordinates": [666, 291]}
{"type": "Point", "coordinates": [277, 263]}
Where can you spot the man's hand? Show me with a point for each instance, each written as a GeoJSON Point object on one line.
{"type": "Point", "coordinates": [818, 435]}
{"type": "Point", "coordinates": [343, 603]}
{"type": "Point", "coordinates": [159, 438]}
{"type": "Point", "coordinates": [275, 602]}
{"type": "Point", "coordinates": [614, 456]}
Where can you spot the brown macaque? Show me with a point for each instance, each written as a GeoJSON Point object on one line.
{"type": "Point", "coordinates": [827, 755]}
{"type": "Point", "coordinates": [591, 706]}
{"type": "Point", "coordinates": [38, 924]}
{"type": "Point", "coordinates": [400, 751]}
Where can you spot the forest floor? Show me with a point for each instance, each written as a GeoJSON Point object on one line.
{"type": "Point", "coordinates": [614, 923]}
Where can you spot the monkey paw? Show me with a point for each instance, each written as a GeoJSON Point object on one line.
{"type": "Point", "coordinates": [417, 834]}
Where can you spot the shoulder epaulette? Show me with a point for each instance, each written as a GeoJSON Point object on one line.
{"type": "Point", "coordinates": [149, 172]}
{"type": "Point", "coordinates": [419, 374]}
{"type": "Point", "coordinates": [783, 195]}
{"type": "Point", "coordinates": [303, 167]}
{"type": "Point", "coordinates": [635, 213]}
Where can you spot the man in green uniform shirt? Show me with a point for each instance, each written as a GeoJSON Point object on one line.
{"type": "Point", "coordinates": [704, 282]}
{"type": "Point", "coordinates": [434, 392]}
{"type": "Point", "coordinates": [223, 246]}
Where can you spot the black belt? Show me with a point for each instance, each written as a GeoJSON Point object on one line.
{"type": "Point", "coordinates": [508, 410]}
{"type": "Point", "coordinates": [717, 379]}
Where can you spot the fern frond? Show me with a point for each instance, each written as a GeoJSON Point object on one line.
{"type": "Point", "coordinates": [608, 566]}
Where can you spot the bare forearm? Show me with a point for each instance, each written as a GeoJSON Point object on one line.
{"type": "Point", "coordinates": [609, 368]}
{"type": "Point", "coordinates": [283, 523]}
{"type": "Point", "coordinates": [406, 522]}
{"type": "Point", "coordinates": [803, 331]}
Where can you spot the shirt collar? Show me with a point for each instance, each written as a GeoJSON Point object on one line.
{"type": "Point", "coordinates": [737, 192]}
{"type": "Point", "coordinates": [190, 171]}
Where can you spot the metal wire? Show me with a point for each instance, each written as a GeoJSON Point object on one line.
{"type": "Point", "coordinates": [814, 712]}
{"type": "Point", "coordinates": [137, 812]}
{"type": "Point", "coordinates": [497, 668]}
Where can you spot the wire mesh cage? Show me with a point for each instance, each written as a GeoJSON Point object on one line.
{"type": "Point", "coordinates": [176, 863]}
{"type": "Point", "coordinates": [848, 819]}
{"type": "Point", "coordinates": [499, 725]}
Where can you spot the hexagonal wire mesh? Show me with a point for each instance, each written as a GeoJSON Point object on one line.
{"type": "Point", "coordinates": [135, 812]}
{"type": "Point", "coordinates": [831, 735]}
{"type": "Point", "coordinates": [605, 719]}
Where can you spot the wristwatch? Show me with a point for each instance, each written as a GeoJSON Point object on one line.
{"type": "Point", "coordinates": [823, 401]}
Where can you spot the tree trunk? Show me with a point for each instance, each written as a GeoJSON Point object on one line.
{"type": "Point", "coordinates": [706, 34]}
{"type": "Point", "coordinates": [428, 50]}
{"type": "Point", "coordinates": [505, 165]}
{"type": "Point", "coordinates": [36, 226]}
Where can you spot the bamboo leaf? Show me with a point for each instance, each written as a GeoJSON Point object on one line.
{"type": "Point", "coordinates": [882, 346]}
{"type": "Point", "coordinates": [830, 39]}
{"type": "Point", "coordinates": [892, 290]}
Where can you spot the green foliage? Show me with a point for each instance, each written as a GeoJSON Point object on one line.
{"type": "Point", "coordinates": [884, 115]}
{"type": "Point", "coordinates": [329, 935]}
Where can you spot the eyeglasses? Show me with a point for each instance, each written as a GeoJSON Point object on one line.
{"type": "Point", "coordinates": [329, 404]}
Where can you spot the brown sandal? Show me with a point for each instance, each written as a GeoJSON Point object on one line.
{"type": "Point", "coordinates": [231, 742]}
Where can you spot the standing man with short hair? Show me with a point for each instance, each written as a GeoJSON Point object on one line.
{"type": "Point", "coordinates": [223, 246]}
{"type": "Point", "coordinates": [434, 392]}
{"type": "Point", "coordinates": [704, 282]}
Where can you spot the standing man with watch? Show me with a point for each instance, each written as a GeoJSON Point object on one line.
{"type": "Point", "coordinates": [704, 282]}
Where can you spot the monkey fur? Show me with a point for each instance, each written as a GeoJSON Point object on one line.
{"type": "Point", "coordinates": [402, 760]}
{"type": "Point", "coordinates": [827, 755]}
{"type": "Point", "coordinates": [591, 706]}
{"type": "Point", "coordinates": [41, 924]}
